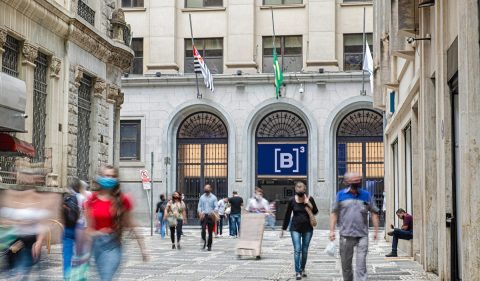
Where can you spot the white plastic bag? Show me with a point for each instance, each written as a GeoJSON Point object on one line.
{"type": "Point", "coordinates": [331, 249]}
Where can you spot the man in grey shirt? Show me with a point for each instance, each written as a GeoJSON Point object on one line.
{"type": "Point", "coordinates": [207, 207]}
{"type": "Point", "coordinates": [351, 209]}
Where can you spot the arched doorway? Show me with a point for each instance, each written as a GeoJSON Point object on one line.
{"type": "Point", "coordinates": [360, 149]}
{"type": "Point", "coordinates": [282, 156]}
{"type": "Point", "coordinates": [202, 158]}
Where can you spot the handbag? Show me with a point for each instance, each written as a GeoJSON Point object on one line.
{"type": "Point", "coordinates": [215, 216]}
{"type": "Point", "coordinates": [172, 221]}
{"type": "Point", "coordinates": [313, 220]}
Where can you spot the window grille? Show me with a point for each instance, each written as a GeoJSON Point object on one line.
{"type": "Point", "coordinates": [10, 56]}
{"type": "Point", "coordinates": [40, 106]}
{"type": "Point", "coordinates": [85, 12]}
{"type": "Point", "coordinates": [83, 129]}
{"type": "Point", "coordinates": [282, 124]}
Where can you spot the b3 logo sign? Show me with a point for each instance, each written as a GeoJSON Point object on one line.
{"type": "Point", "coordinates": [287, 160]}
{"type": "Point", "coordinates": [275, 159]}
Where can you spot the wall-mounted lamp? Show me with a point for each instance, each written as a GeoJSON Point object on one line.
{"type": "Point", "coordinates": [158, 74]}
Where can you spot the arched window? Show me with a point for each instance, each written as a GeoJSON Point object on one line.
{"type": "Point", "coordinates": [202, 158]}
{"type": "Point", "coordinates": [282, 124]}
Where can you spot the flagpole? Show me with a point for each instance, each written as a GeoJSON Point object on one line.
{"type": "Point", "coordinates": [199, 96]}
{"type": "Point", "coordinates": [274, 48]}
{"type": "Point", "coordinates": [363, 92]}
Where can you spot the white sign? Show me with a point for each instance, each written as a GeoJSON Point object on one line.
{"type": "Point", "coordinates": [146, 181]}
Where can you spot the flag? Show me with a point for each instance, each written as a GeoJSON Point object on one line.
{"type": "Point", "coordinates": [200, 67]}
{"type": "Point", "coordinates": [368, 64]}
{"type": "Point", "coordinates": [278, 73]}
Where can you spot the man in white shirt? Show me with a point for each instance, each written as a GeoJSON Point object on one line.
{"type": "Point", "coordinates": [258, 204]}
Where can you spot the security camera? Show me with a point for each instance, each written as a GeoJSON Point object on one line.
{"type": "Point", "coordinates": [23, 115]}
{"type": "Point", "coordinates": [410, 40]}
{"type": "Point", "coordinates": [301, 90]}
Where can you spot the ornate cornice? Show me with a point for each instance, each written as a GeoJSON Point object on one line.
{"type": "Point", "coordinates": [55, 66]}
{"type": "Point", "coordinates": [99, 88]}
{"type": "Point", "coordinates": [30, 53]}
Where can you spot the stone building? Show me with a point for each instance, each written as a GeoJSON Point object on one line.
{"type": "Point", "coordinates": [426, 82]}
{"type": "Point", "coordinates": [242, 136]}
{"type": "Point", "coordinates": [61, 68]}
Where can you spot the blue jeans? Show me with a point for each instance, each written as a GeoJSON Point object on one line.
{"type": "Point", "coordinates": [162, 224]}
{"type": "Point", "coordinates": [400, 234]}
{"type": "Point", "coordinates": [270, 222]}
{"type": "Point", "coordinates": [68, 241]}
{"type": "Point", "coordinates": [235, 220]}
{"type": "Point", "coordinates": [107, 251]}
{"type": "Point", "coordinates": [301, 241]}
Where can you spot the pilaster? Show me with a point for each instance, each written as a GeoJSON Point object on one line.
{"type": "Point", "coordinates": [29, 54]}
{"type": "Point", "coordinates": [3, 39]}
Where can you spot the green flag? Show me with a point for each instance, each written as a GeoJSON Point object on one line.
{"type": "Point", "coordinates": [278, 73]}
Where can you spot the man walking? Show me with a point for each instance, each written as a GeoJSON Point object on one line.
{"type": "Point", "coordinates": [207, 207]}
{"type": "Point", "coordinates": [236, 203]}
{"type": "Point", "coordinates": [406, 232]}
{"type": "Point", "coordinates": [160, 211]}
{"type": "Point", "coordinates": [351, 209]}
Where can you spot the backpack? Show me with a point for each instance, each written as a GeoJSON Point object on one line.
{"type": "Point", "coordinates": [71, 210]}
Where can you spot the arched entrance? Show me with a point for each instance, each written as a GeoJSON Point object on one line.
{"type": "Point", "coordinates": [360, 149]}
{"type": "Point", "coordinates": [202, 158]}
{"type": "Point", "coordinates": [281, 140]}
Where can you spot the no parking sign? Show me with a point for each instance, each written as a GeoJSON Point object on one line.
{"type": "Point", "coordinates": [146, 181]}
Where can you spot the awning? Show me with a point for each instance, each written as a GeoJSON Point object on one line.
{"type": "Point", "coordinates": [13, 100]}
{"type": "Point", "coordinates": [15, 146]}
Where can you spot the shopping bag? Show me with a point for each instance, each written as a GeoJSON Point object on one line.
{"type": "Point", "coordinates": [331, 249]}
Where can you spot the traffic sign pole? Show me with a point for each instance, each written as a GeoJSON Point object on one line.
{"type": "Point", "coordinates": [151, 196]}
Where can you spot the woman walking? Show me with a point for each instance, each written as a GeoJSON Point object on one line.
{"type": "Point", "coordinates": [303, 207]}
{"type": "Point", "coordinates": [176, 215]}
{"type": "Point", "coordinates": [108, 215]}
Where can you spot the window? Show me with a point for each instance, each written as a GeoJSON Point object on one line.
{"type": "Point", "coordinates": [289, 53]}
{"type": "Point", "coordinates": [396, 182]}
{"type": "Point", "coordinates": [83, 130]}
{"type": "Point", "coordinates": [130, 139]}
{"type": "Point", "coordinates": [203, 3]}
{"type": "Point", "coordinates": [10, 56]}
{"type": "Point", "coordinates": [408, 168]}
{"type": "Point", "coordinates": [40, 105]}
{"type": "Point", "coordinates": [137, 47]}
{"type": "Point", "coordinates": [85, 12]}
{"type": "Point", "coordinates": [353, 50]}
{"type": "Point", "coordinates": [132, 3]}
{"type": "Point", "coordinates": [281, 2]}
{"type": "Point", "coordinates": [211, 51]}
{"type": "Point", "coordinates": [348, 1]}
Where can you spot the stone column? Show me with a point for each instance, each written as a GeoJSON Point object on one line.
{"type": "Point", "coordinates": [113, 97]}
{"type": "Point", "coordinates": [29, 54]}
{"type": "Point", "coordinates": [3, 39]}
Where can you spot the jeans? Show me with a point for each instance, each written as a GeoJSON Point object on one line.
{"type": "Point", "coordinates": [107, 251]}
{"type": "Point", "coordinates": [235, 220]}
{"type": "Point", "coordinates": [68, 241]}
{"type": "Point", "coordinates": [220, 225]}
{"type": "Point", "coordinates": [207, 222]}
{"type": "Point", "coordinates": [271, 221]}
{"type": "Point", "coordinates": [347, 245]}
{"type": "Point", "coordinates": [400, 234]}
{"type": "Point", "coordinates": [301, 241]}
{"type": "Point", "coordinates": [162, 224]}
{"type": "Point", "coordinates": [179, 231]}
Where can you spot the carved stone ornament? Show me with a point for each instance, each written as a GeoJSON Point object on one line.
{"type": "Point", "coordinates": [112, 93]}
{"type": "Point", "coordinates": [78, 75]}
{"type": "Point", "coordinates": [118, 16]}
{"type": "Point", "coordinates": [99, 88]}
{"type": "Point", "coordinates": [30, 52]}
{"type": "Point", "coordinates": [55, 66]}
{"type": "Point", "coordinates": [118, 25]}
{"type": "Point", "coordinates": [120, 99]}
{"type": "Point", "coordinates": [3, 36]}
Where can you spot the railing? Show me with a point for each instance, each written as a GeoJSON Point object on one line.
{"type": "Point", "coordinates": [21, 170]}
{"type": "Point", "coordinates": [127, 35]}
{"type": "Point", "coordinates": [85, 12]}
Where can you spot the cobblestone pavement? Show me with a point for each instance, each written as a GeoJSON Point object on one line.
{"type": "Point", "coordinates": [276, 263]}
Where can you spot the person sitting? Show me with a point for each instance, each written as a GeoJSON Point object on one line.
{"type": "Point", "coordinates": [406, 232]}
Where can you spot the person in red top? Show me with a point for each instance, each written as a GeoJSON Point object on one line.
{"type": "Point", "coordinates": [406, 232]}
{"type": "Point", "coordinates": [108, 213]}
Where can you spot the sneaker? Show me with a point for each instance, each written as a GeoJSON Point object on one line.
{"type": "Point", "coordinates": [298, 276]}
{"type": "Point", "coordinates": [390, 233]}
{"type": "Point", "coordinates": [391, 254]}
{"type": "Point", "coordinates": [179, 247]}
{"type": "Point", "coordinates": [173, 246]}
{"type": "Point", "coordinates": [209, 249]}
{"type": "Point", "coordinates": [204, 244]}
{"type": "Point", "coordinates": [304, 274]}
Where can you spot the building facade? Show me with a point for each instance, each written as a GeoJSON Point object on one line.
{"type": "Point", "coordinates": [242, 136]}
{"type": "Point", "coordinates": [61, 65]}
{"type": "Point", "coordinates": [426, 82]}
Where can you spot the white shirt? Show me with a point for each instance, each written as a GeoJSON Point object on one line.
{"type": "Point", "coordinates": [258, 205]}
{"type": "Point", "coordinates": [221, 207]}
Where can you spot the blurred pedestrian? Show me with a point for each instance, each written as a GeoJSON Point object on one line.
{"type": "Point", "coordinates": [108, 215]}
{"type": "Point", "coordinates": [176, 215]}
{"type": "Point", "coordinates": [258, 204]}
{"type": "Point", "coordinates": [207, 207]}
{"type": "Point", "coordinates": [160, 211]}
{"type": "Point", "coordinates": [221, 212]}
{"type": "Point", "coordinates": [302, 207]}
{"type": "Point", "coordinates": [235, 217]}
{"type": "Point", "coordinates": [271, 217]}
{"type": "Point", "coordinates": [350, 209]}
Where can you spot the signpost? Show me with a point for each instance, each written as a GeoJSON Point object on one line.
{"type": "Point", "coordinates": [147, 186]}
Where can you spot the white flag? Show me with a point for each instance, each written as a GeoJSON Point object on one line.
{"type": "Point", "coordinates": [201, 67]}
{"type": "Point", "coordinates": [368, 64]}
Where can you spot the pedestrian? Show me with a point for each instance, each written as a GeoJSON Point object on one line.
{"type": "Point", "coordinates": [350, 209]}
{"type": "Point", "coordinates": [160, 211]}
{"type": "Point", "coordinates": [108, 213]}
{"type": "Point", "coordinates": [235, 218]}
{"type": "Point", "coordinates": [302, 207]}
{"type": "Point", "coordinates": [221, 212]}
{"type": "Point", "coordinates": [207, 210]}
{"type": "Point", "coordinates": [405, 233]}
{"type": "Point", "coordinates": [271, 217]}
{"type": "Point", "coordinates": [176, 215]}
{"type": "Point", "coordinates": [258, 204]}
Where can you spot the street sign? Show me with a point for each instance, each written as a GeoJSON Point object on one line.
{"type": "Point", "coordinates": [277, 159]}
{"type": "Point", "coordinates": [146, 181]}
